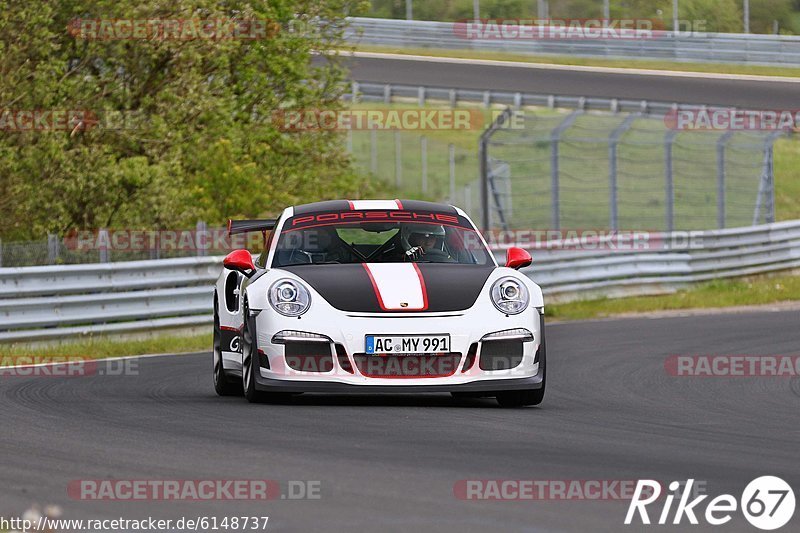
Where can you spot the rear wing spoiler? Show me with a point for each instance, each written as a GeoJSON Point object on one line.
{"type": "Point", "coordinates": [247, 226]}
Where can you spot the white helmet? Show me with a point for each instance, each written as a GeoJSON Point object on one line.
{"type": "Point", "coordinates": [426, 230]}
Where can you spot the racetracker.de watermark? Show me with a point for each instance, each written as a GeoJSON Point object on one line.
{"type": "Point", "coordinates": [544, 489]}
{"type": "Point", "coordinates": [733, 366]}
{"type": "Point", "coordinates": [728, 119]}
{"type": "Point", "coordinates": [166, 29]}
{"type": "Point", "coordinates": [65, 366]}
{"type": "Point", "coordinates": [193, 489]}
{"type": "Point", "coordinates": [377, 119]}
{"type": "Point", "coordinates": [593, 240]}
{"type": "Point", "coordinates": [71, 120]}
{"type": "Point", "coordinates": [134, 240]}
{"type": "Point", "coordinates": [574, 29]}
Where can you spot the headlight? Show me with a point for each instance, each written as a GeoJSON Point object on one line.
{"type": "Point", "coordinates": [289, 297]}
{"type": "Point", "coordinates": [510, 296]}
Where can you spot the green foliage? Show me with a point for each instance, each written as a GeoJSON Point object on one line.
{"type": "Point", "coordinates": [198, 140]}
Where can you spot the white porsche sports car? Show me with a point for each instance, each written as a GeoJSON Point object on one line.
{"type": "Point", "coordinates": [377, 296]}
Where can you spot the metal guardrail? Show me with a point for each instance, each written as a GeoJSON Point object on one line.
{"type": "Point", "coordinates": [754, 49]}
{"type": "Point", "coordinates": [388, 93]}
{"type": "Point", "coordinates": [54, 302]}
{"type": "Point", "coordinates": [57, 302]}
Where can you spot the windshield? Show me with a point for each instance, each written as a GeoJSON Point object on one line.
{"type": "Point", "coordinates": [348, 237]}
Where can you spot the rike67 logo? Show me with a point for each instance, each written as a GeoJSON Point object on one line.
{"type": "Point", "coordinates": [767, 502]}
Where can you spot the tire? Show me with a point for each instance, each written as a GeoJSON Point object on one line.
{"type": "Point", "coordinates": [222, 383]}
{"type": "Point", "coordinates": [250, 364]}
{"type": "Point", "coordinates": [521, 398]}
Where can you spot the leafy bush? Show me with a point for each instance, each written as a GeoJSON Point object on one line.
{"type": "Point", "coordinates": [198, 141]}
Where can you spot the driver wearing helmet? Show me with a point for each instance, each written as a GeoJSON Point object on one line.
{"type": "Point", "coordinates": [420, 239]}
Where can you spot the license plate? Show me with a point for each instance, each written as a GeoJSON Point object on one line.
{"type": "Point", "coordinates": [407, 344]}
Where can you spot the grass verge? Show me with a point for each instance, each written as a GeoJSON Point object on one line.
{"type": "Point", "coordinates": [718, 68]}
{"type": "Point", "coordinates": [102, 347]}
{"type": "Point", "coordinates": [713, 294]}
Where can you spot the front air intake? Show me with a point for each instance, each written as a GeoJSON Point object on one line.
{"type": "Point", "coordinates": [308, 356]}
{"type": "Point", "coordinates": [500, 354]}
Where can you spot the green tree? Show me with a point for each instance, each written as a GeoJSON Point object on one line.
{"type": "Point", "coordinates": [198, 139]}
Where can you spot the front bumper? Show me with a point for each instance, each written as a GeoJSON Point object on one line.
{"type": "Point", "coordinates": [347, 333]}
{"type": "Point", "coordinates": [441, 385]}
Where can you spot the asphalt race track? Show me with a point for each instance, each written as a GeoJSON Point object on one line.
{"type": "Point", "coordinates": [389, 463]}
{"type": "Point", "coordinates": [748, 94]}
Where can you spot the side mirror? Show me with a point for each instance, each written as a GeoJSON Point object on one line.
{"type": "Point", "coordinates": [240, 261]}
{"type": "Point", "coordinates": [517, 258]}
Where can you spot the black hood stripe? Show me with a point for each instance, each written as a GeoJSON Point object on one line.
{"type": "Point", "coordinates": [448, 287]}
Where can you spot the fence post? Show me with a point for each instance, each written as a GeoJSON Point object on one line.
{"type": "Point", "coordinates": [766, 185]}
{"type": "Point", "coordinates": [468, 198]}
{"type": "Point", "coordinates": [52, 249]}
{"type": "Point", "coordinates": [201, 239]}
{"type": "Point", "coordinates": [613, 143]}
{"type": "Point", "coordinates": [103, 239]}
{"type": "Point", "coordinates": [398, 161]}
{"type": "Point", "coordinates": [555, 138]}
{"type": "Point", "coordinates": [452, 156]}
{"type": "Point", "coordinates": [721, 142]}
{"type": "Point", "coordinates": [483, 161]}
{"type": "Point", "coordinates": [373, 151]}
{"type": "Point", "coordinates": [770, 218]}
{"type": "Point", "coordinates": [669, 186]}
{"type": "Point", "coordinates": [424, 155]}
{"type": "Point", "coordinates": [152, 243]}
{"type": "Point", "coordinates": [1, 252]}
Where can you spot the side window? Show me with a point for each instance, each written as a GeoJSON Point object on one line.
{"type": "Point", "coordinates": [231, 292]}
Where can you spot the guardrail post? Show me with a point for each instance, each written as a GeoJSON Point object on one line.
{"type": "Point", "coordinates": [398, 161]}
{"type": "Point", "coordinates": [103, 239]}
{"type": "Point", "coordinates": [354, 92]}
{"type": "Point", "coordinates": [721, 142]}
{"type": "Point", "coordinates": [387, 94]}
{"type": "Point", "coordinates": [487, 99]}
{"type": "Point", "coordinates": [423, 146]}
{"type": "Point", "coordinates": [451, 148]}
{"type": "Point", "coordinates": [613, 143]}
{"type": "Point", "coordinates": [453, 98]}
{"type": "Point", "coordinates": [421, 96]}
{"type": "Point", "coordinates": [52, 249]}
{"type": "Point", "coordinates": [669, 186]}
{"type": "Point", "coordinates": [373, 151]}
{"type": "Point", "coordinates": [555, 193]}
{"type": "Point", "coordinates": [201, 239]}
